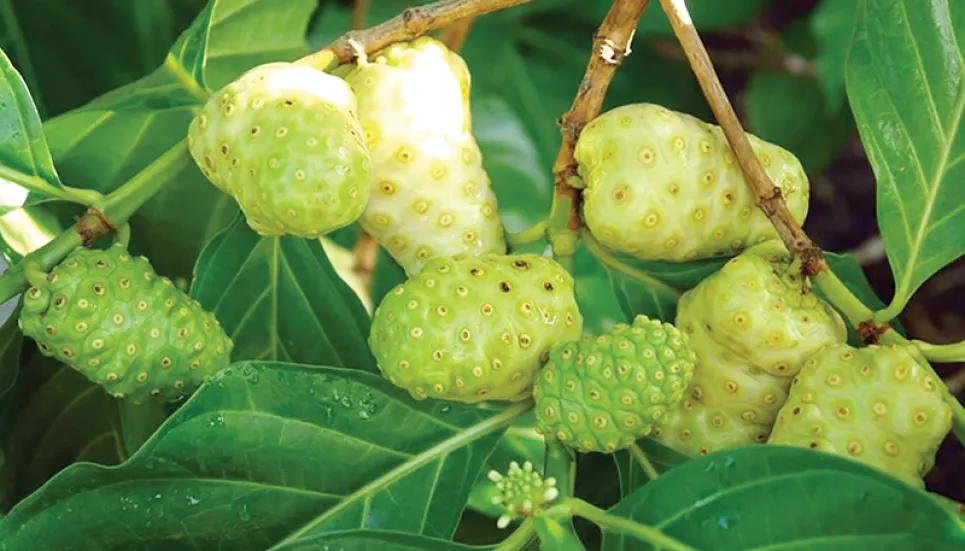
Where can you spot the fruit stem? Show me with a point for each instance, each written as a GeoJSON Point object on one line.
{"type": "Point", "coordinates": [838, 294]}
{"type": "Point", "coordinates": [641, 458]}
{"type": "Point", "coordinates": [943, 353]}
{"type": "Point", "coordinates": [520, 537]}
{"type": "Point", "coordinates": [610, 260]}
{"type": "Point", "coordinates": [116, 209]}
{"type": "Point", "coordinates": [520, 239]}
{"type": "Point", "coordinates": [767, 195]}
{"type": "Point", "coordinates": [139, 421]}
{"type": "Point", "coordinates": [613, 523]}
{"type": "Point", "coordinates": [360, 9]}
{"type": "Point", "coordinates": [410, 24]}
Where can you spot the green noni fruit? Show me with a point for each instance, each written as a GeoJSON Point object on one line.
{"type": "Point", "coordinates": [432, 197]}
{"type": "Point", "coordinates": [662, 185]}
{"type": "Point", "coordinates": [875, 405]}
{"type": "Point", "coordinates": [284, 141]}
{"type": "Point", "coordinates": [111, 317]}
{"type": "Point", "coordinates": [752, 324]}
{"type": "Point", "coordinates": [601, 394]}
{"type": "Point", "coordinates": [471, 328]}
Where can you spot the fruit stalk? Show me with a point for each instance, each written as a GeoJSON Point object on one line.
{"type": "Point", "coordinates": [410, 24]}
{"type": "Point", "coordinates": [611, 523]}
{"type": "Point", "coordinates": [520, 537]}
{"type": "Point", "coordinates": [116, 209]}
{"type": "Point", "coordinates": [944, 353]}
{"type": "Point", "coordinates": [768, 196]}
{"type": "Point", "coordinates": [611, 44]}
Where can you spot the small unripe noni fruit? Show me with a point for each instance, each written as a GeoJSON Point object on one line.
{"type": "Point", "coordinates": [601, 394]}
{"type": "Point", "coordinates": [432, 198]}
{"type": "Point", "coordinates": [752, 324]}
{"type": "Point", "coordinates": [471, 328]}
{"type": "Point", "coordinates": [284, 141]}
{"type": "Point", "coordinates": [111, 317]}
{"type": "Point", "coordinates": [662, 185]}
{"type": "Point", "coordinates": [875, 405]}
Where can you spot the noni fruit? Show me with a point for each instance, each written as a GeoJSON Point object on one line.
{"type": "Point", "coordinates": [111, 317]}
{"type": "Point", "coordinates": [752, 324]}
{"type": "Point", "coordinates": [432, 197]}
{"type": "Point", "coordinates": [601, 394]}
{"type": "Point", "coordinates": [470, 328]}
{"type": "Point", "coordinates": [662, 185]}
{"type": "Point", "coordinates": [875, 405]}
{"type": "Point", "coordinates": [284, 141]}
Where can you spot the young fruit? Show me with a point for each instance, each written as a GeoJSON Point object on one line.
{"type": "Point", "coordinates": [602, 394]}
{"type": "Point", "coordinates": [111, 317]}
{"type": "Point", "coordinates": [432, 197]}
{"type": "Point", "coordinates": [284, 141]}
{"type": "Point", "coordinates": [752, 324]}
{"type": "Point", "coordinates": [471, 328]}
{"type": "Point", "coordinates": [875, 405]}
{"type": "Point", "coordinates": [662, 185]}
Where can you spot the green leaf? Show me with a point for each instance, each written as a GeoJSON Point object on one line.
{"type": "Point", "coordinates": [281, 299]}
{"type": "Point", "coordinates": [102, 145]}
{"type": "Point", "coordinates": [25, 162]}
{"type": "Point", "coordinates": [264, 449]}
{"type": "Point", "coordinates": [231, 36]}
{"type": "Point", "coordinates": [906, 84]}
{"type": "Point", "coordinates": [595, 294]}
{"type": "Point", "coordinates": [56, 417]}
{"type": "Point", "coordinates": [375, 540]}
{"type": "Point", "coordinates": [11, 340]}
{"type": "Point", "coordinates": [832, 24]}
{"type": "Point", "coordinates": [810, 130]}
{"type": "Point", "coordinates": [657, 295]}
{"type": "Point", "coordinates": [775, 497]}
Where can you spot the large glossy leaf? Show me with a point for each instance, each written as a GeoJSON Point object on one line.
{"type": "Point", "coordinates": [832, 24]}
{"type": "Point", "coordinates": [270, 452]}
{"type": "Point", "coordinates": [906, 83]}
{"type": "Point", "coordinates": [102, 145]}
{"type": "Point", "coordinates": [11, 339]}
{"type": "Point", "coordinates": [25, 162]}
{"type": "Point", "coordinates": [774, 497]}
{"type": "Point", "coordinates": [280, 299]}
{"type": "Point", "coordinates": [375, 540]}
{"type": "Point", "coordinates": [54, 418]}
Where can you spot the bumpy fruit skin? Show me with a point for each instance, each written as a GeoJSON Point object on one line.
{"type": "Point", "coordinates": [432, 197]}
{"type": "Point", "coordinates": [284, 141]}
{"type": "Point", "coordinates": [111, 317]}
{"type": "Point", "coordinates": [601, 394]}
{"type": "Point", "coordinates": [752, 324]}
{"type": "Point", "coordinates": [471, 328]}
{"type": "Point", "coordinates": [875, 405]}
{"type": "Point", "coordinates": [662, 185]}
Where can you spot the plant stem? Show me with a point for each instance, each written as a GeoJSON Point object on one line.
{"type": "Point", "coordinates": [943, 353]}
{"type": "Point", "coordinates": [622, 525]}
{"type": "Point", "coordinates": [86, 197]}
{"type": "Point", "coordinates": [519, 538]}
{"type": "Point", "coordinates": [365, 254]}
{"type": "Point", "coordinates": [767, 195]}
{"type": "Point", "coordinates": [114, 212]}
{"type": "Point", "coordinates": [841, 297]}
{"type": "Point", "coordinates": [610, 260]}
{"type": "Point", "coordinates": [560, 464]}
{"type": "Point", "coordinates": [530, 235]}
{"type": "Point", "coordinates": [456, 34]}
{"type": "Point", "coordinates": [410, 24]}
{"type": "Point", "coordinates": [139, 421]}
{"type": "Point", "coordinates": [641, 458]}
{"type": "Point", "coordinates": [360, 8]}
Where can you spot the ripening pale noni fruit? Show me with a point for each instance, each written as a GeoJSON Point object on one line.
{"type": "Point", "coordinates": [601, 394]}
{"type": "Point", "coordinates": [471, 328]}
{"type": "Point", "coordinates": [111, 317]}
{"type": "Point", "coordinates": [432, 197]}
{"type": "Point", "coordinates": [284, 141]}
{"type": "Point", "coordinates": [662, 185]}
{"type": "Point", "coordinates": [875, 405]}
{"type": "Point", "coordinates": [752, 324]}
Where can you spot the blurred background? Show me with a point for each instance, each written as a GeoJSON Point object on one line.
{"type": "Point", "coordinates": [782, 62]}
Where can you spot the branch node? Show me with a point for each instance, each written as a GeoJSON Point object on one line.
{"type": "Point", "coordinates": [92, 226]}
{"type": "Point", "coordinates": [870, 333]}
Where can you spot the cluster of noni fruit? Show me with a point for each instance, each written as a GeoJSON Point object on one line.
{"type": "Point", "coordinates": [753, 355]}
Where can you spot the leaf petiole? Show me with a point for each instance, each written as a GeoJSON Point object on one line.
{"type": "Point", "coordinates": [520, 537]}
{"type": "Point", "coordinates": [943, 353]}
{"type": "Point", "coordinates": [641, 458]}
{"type": "Point", "coordinates": [520, 239]}
{"type": "Point", "coordinates": [608, 522]}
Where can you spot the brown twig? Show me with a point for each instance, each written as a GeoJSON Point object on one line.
{"type": "Point", "coordinates": [411, 23]}
{"type": "Point", "coordinates": [611, 44]}
{"type": "Point", "coordinates": [360, 8]}
{"type": "Point", "coordinates": [768, 196]}
{"type": "Point", "coordinates": [455, 35]}
{"type": "Point", "coordinates": [788, 64]}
